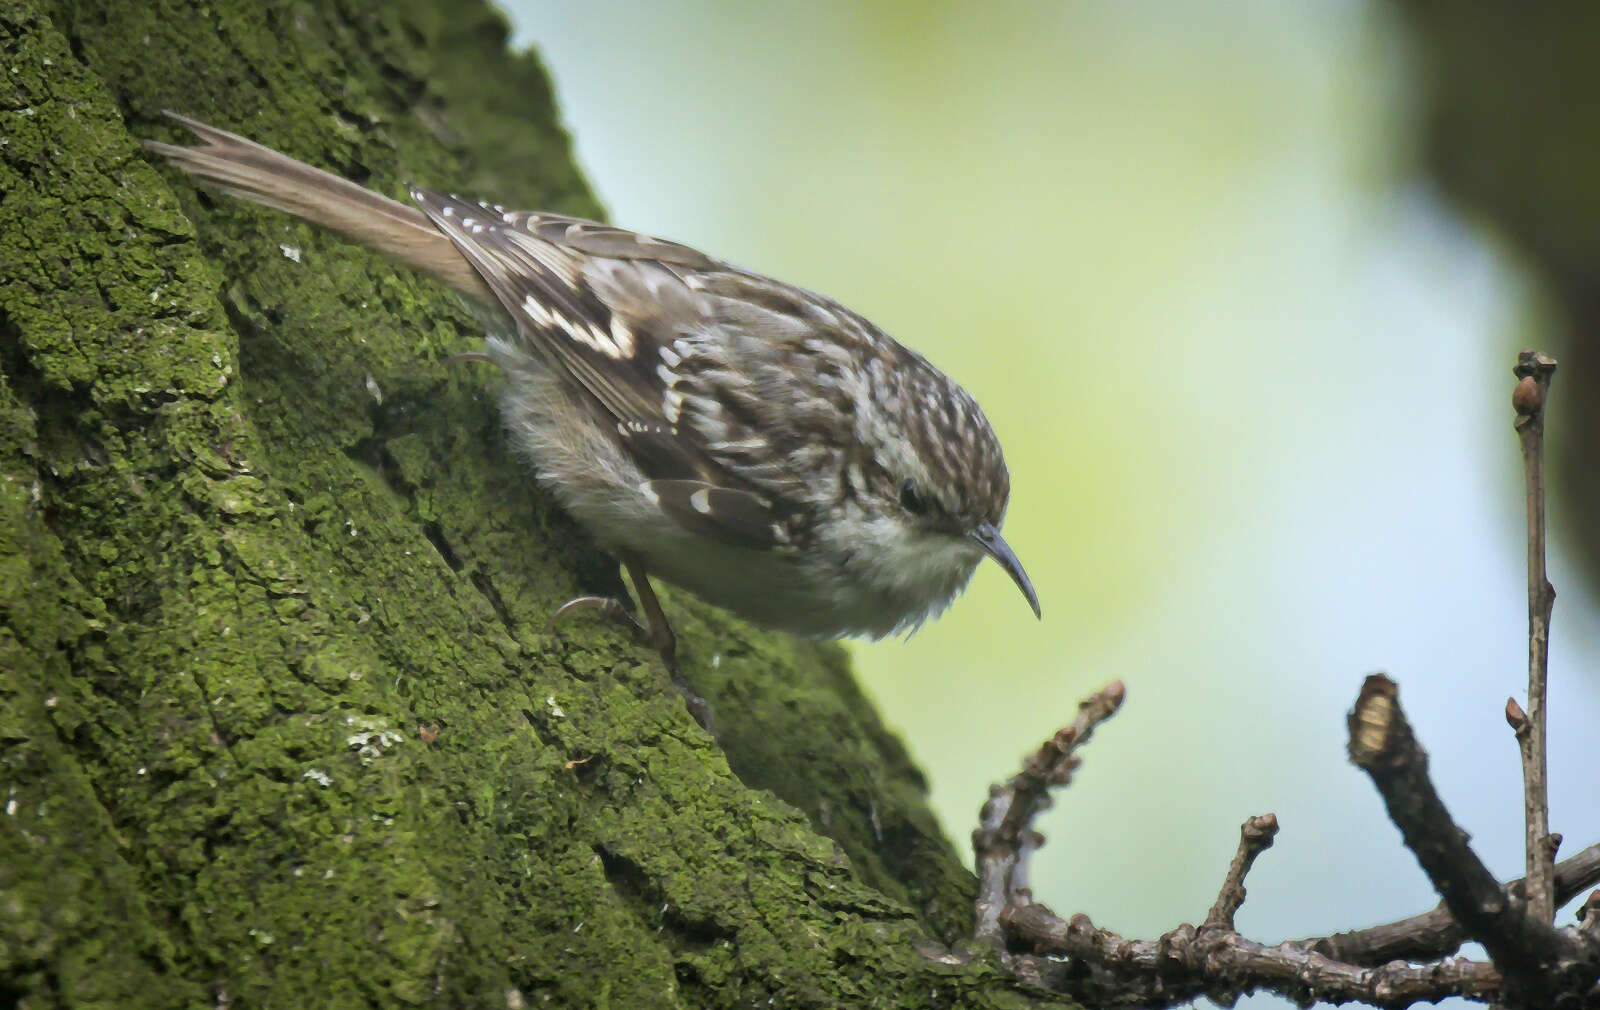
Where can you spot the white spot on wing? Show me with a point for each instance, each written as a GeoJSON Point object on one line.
{"type": "Point", "coordinates": [739, 445]}
{"type": "Point", "coordinates": [535, 309]}
{"type": "Point", "coordinates": [700, 501]}
{"type": "Point", "coordinates": [618, 343]}
{"type": "Point", "coordinates": [622, 338]}
{"type": "Point", "coordinates": [650, 494]}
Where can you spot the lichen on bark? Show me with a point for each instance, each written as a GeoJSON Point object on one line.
{"type": "Point", "coordinates": [280, 721]}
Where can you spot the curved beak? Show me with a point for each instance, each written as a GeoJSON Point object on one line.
{"type": "Point", "coordinates": [994, 545]}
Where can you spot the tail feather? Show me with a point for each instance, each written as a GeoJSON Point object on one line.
{"type": "Point", "coordinates": [245, 169]}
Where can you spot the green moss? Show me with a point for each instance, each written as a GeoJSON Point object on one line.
{"type": "Point", "coordinates": [286, 727]}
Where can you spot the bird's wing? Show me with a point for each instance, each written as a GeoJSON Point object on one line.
{"type": "Point", "coordinates": [692, 361]}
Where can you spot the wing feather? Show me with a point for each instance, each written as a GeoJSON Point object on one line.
{"type": "Point", "coordinates": [621, 314]}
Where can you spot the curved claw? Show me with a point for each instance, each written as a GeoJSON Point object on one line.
{"type": "Point", "coordinates": [607, 607]}
{"type": "Point", "coordinates": [657, 634]}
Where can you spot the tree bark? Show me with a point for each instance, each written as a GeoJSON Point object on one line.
{"type": "Point", "coordinates": [280, 721]}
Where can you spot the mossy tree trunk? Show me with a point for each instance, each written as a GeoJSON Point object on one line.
{"type": "Point", "coordinates": [280, 724]}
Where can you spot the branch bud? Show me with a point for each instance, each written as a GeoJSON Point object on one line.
{"type": "Point", "coordinates": [1527, 398]}
{"type": "Point", "coordinates": [1516, 718]}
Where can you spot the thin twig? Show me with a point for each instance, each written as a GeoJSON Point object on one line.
{"type": "Point", "coordinates": [1589, 919]}
{"type": "Point", "coordinates": [1534, 371]}
{"type": "Point", "coordinates": [1109, 970]}
{"type": "Point", "coordinates": [1255, 837]}
{"type": "Point", "coordinates": [1435, 934]}
{"type": "Point", "coordinates": [1529, 952]}
{"type": "Point", "coordinates": [1533, 965]}
{"type": "Point", "coordinates": [1003, 839]}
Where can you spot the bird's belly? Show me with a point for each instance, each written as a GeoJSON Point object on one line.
{"type": "Point", "coordinates": [816, 595]}
{"type": "Point", "coordinates": [772, 589]}
{"type": "Point", "coordinates": [829, 595]}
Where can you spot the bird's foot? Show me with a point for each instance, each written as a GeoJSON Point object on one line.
{"type": "Point", "coordinates": [657, 635]}
{"type": "Point", "coordinates": [606, 607]}
{"type": "Point", "coordinates": [612, 609]}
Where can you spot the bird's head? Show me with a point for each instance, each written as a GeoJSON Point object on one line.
{"type": "Point", "coordinates": [937, 484]}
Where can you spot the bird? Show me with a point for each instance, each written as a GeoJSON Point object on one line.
{"type": "Point", "coordinates": [757, 444]}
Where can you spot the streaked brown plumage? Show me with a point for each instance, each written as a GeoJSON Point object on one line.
{"type": "Point", "coordinates": [758, 444]}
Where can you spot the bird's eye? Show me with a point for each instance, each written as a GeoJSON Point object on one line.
{"type": "Point", "coordinates": [911, 499]}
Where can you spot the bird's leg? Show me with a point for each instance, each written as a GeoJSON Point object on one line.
{"type": "Point", "coordinates": [660, 637]}
{"type": "Point", "coordinates": [655, 632]}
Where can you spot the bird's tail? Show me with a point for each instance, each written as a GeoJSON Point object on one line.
{"type": "Point", "coordinates": [246, 169]}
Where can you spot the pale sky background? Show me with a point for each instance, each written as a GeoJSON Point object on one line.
{"type": "Point", "coordinates": [1251, 376]}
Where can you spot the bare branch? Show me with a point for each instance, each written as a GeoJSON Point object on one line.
{"type": "Point", "coordinates": [1255, 837]}
{"type": "Point", "coordinates": [1526, 950]}
{"type": "Point", "coordinates": [1004, 838]}
{"type": "Point", "coordinates": [1534, 371]}
{"type": "Point", "coordinates": [1434, 934]}
{"type": "Point", "coordinates": [1533, 965]}
{"type": "Point", "coordinates": [1589, 919]}
{"type": "Point", "coordinates": [1108, 970]}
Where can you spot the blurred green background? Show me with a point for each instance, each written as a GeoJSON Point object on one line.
{"type": "Point", "coordinates": [1252, 377]}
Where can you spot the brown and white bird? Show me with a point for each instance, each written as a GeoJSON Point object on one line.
{"type": "Point", "coordinates": [762, 446]}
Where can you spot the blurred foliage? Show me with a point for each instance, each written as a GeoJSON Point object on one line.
{"type": "Point", "coordinates": [1252, 380]}
{"type": "Point", "coordinates": [1511, 109]}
